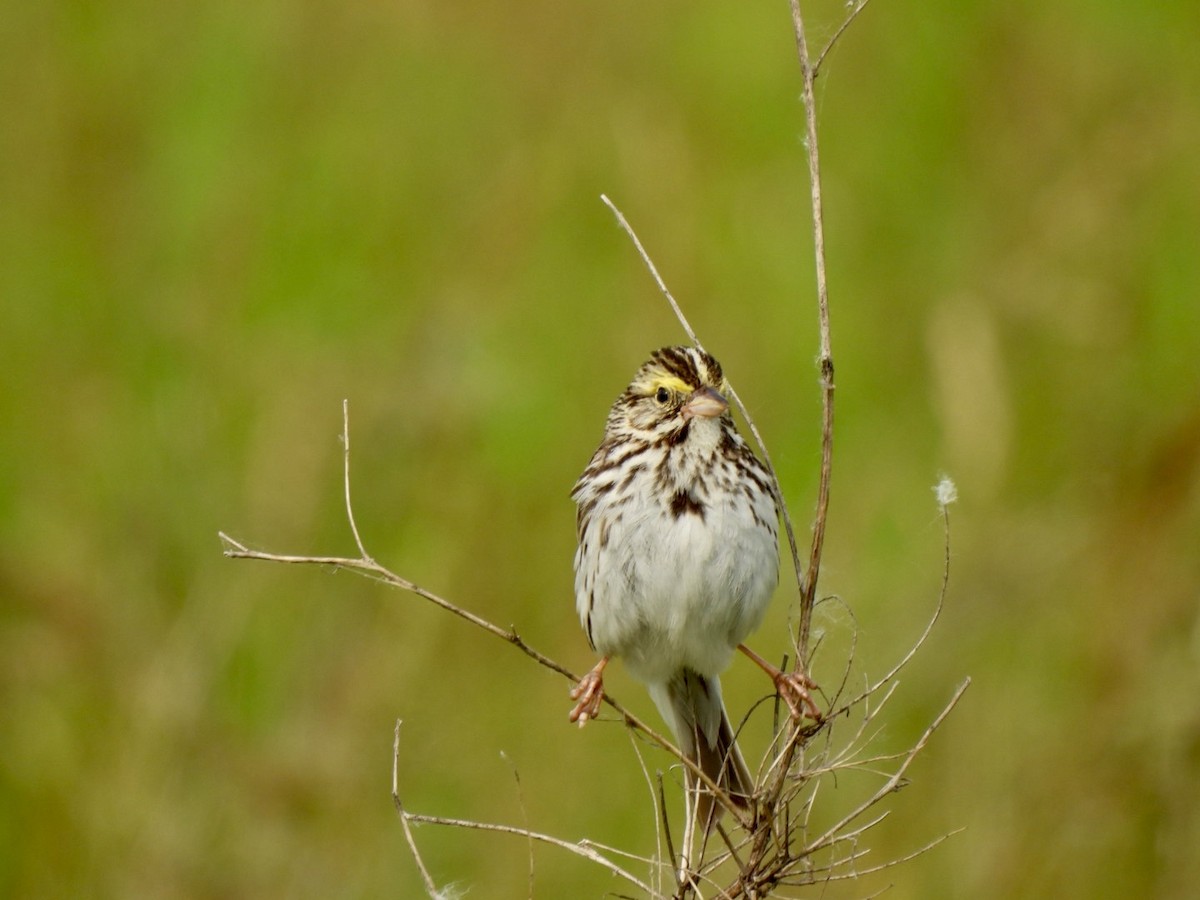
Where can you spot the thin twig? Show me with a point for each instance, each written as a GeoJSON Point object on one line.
{"type": "Point", "coordinates": [430, 887]}
{"type": "Point", "coordinates": [851, 16]}
{"type": "Point", "coordinates": [346, 479]}
{"type": "Point", "coordinates": [665, 829]}
{"type": "Point", "coordinates": [908, 857]}
{"type": "Point", "coordinates": [808, 585]}
{"type": "Point", "coordinates": [807, 580]}
{"type": "Point", "coordinates": [851, 653]}
{"type": "Point", "coordinates": [852, 836]}
{"type": "Point", "coordinates": [662, 286]}
{"type": "Point", "coordinates": [584, 849]}
{"type": "Point", "coordinates": [659, 822]}
{"type": "Point", "coordinates": [524, 813]}
{"type": "Point", "coordinates": [236, 550]}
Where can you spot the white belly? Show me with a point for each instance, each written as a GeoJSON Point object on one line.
{"type": "Point", "coordinates": [675, 591]}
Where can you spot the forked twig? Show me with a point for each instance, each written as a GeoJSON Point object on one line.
{"type": "Point", "coordinates": [430, 887]}
{"type": "Point", "coordinates": [365, 565]}
{"type": "Point", "coordinates": [585, 849]}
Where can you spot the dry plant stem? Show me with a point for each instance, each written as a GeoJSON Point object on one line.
{"type": "Point", "coordinates": [773, 862]}
{"type": "Point", "coordinates": [582, 848]}
{"type": "Point", "coordinates": [772, 858]}
{"type": "Point", "coordinates": [665, 828]}
{"type": "Point", "coordinates": [430, 887]}
{"type": "Point", "coordinates": [808, 586]}
{"type": "Point", "coordinates": [346, 479]}
{"type": "Point", "coordinates": [851, 16]}
{"type": "Point", "coordinates": [808, 581]}
{"type": "Point", "coordinates": [654, 798]}
{"type": "Point", "coordinates": [236, 550]}
{"type": "Point", "coordinates": [908, 857]}
{"type": "Point", "coordinates": [524, 815]}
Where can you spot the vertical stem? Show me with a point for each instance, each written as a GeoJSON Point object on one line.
{"type": "Point", "coordinates": [808, 586]}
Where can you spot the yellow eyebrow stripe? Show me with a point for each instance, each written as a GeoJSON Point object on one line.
{"type": "Point", "coordinates": [670, 382]}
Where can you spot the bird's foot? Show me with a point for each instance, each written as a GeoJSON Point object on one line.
{"type": "Point", "coordinates": [589, 693]}
{"type": "Point", "coordinates": [794, 687]}
{"type": "Point", "coordinates": [796, 690]}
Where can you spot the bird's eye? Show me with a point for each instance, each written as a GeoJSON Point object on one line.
{"type": "Point", "coordinates": [662, 395]}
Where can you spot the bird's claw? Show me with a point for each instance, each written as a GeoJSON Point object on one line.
{"type": "Point", "coordinates": [589, 692]}
{"type": "Point", "coordinates": [796, 690]}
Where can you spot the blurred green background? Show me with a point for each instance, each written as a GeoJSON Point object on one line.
{"type": "Point", "coordinates": [218, 220]}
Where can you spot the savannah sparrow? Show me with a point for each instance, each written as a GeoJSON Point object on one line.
{"type": "Point", "coordinates": [678, 558]}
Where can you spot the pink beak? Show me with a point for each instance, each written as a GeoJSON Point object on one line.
{"type": "Point", "coordinates": [706, 403]}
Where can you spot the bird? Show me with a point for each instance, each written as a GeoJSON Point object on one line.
{"type": "Point", "coordinates": [676, 563]}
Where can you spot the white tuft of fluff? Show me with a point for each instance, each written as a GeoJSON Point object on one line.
{"type": "Point", "coordinates": [946, 491]}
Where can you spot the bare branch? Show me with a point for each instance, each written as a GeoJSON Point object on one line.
{"type": "Point", "coordinates": [585, 849]}
{"type": "Point", "coordinates": [236, 550]}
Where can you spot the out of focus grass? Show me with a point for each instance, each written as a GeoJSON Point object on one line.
{"type": "Point", "coordinates": [218, 220]}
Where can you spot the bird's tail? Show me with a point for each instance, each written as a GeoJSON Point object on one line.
{"type": "Point", "coordinates": [691, 703]}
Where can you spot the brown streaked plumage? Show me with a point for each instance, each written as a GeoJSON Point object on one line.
{"type": "Point", "coordinates": [677, 557]}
